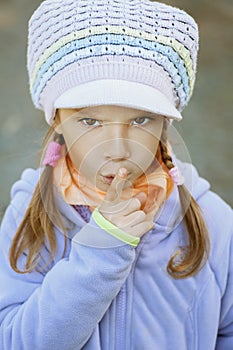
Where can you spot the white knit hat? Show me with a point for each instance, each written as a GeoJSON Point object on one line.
{"type": "Point", "coordinates": [132, 53]}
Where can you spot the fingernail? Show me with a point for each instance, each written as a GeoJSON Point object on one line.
{"type": "Point", "coordinates": [122, 172]}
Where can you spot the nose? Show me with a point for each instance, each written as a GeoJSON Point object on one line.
{"type": "Point", "coordinates": [117, 144]}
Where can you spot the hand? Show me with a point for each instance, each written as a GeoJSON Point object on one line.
{"type": "Point", "coordinates": [125, 214]}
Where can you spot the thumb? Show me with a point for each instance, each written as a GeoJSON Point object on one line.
{"type": "Point", "coordinates": [114, 191]}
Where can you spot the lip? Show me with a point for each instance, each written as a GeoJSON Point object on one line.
{"type": "Point", "coordinates": [109, 175]}
{"type": "Point", "coordinates": [112, 174]}
{"type": "Point", "coordinates": [108, 179]}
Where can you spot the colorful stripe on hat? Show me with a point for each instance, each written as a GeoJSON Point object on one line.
{"type": "Point", "coordinates": [158, 49]}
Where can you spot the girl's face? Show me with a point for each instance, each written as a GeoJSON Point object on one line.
{"type": "Point", "coordinates": [102, 139]}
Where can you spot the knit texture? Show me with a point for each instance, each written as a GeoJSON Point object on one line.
{"type": "Point", "coordinates": [72, 42]}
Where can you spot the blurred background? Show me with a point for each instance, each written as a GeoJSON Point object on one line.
{"type": "Point", "coordinates": [208, 120]}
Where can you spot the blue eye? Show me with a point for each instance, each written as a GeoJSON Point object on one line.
{"type": "Point", "coordinates": [142, 120]}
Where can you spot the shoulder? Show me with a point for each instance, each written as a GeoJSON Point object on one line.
{"type": "Point", "coordinates": [22, 190]}
{"type": "Point", "coordinates": [215, 208]}
{"type": "Point", "coordinates": [27, 182]}
{"type": "Point", "coordinates": [21, 193]}
{"type": "Point", "coordinates": [219, 219]}
{"type": "Point", "coordinates": [217, 214]}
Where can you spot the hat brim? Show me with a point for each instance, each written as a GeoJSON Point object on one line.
{"type": "Point", "coordinates": [120, 93]}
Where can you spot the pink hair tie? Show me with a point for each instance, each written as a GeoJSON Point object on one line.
{"type": "Point", "coordinates": [53, 154]}
{"type": "Point", "coordinates": [177, 178]}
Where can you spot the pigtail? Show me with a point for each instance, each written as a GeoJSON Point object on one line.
{"type": "Point", "coordinates": [37, 226]}
{"type": "Point", "coordinates": [189, 260]}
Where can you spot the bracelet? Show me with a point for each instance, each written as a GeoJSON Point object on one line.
{"type": "Point", "coordinates": [114, 230]}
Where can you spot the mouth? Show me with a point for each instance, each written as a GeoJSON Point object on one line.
{"type": "Point", "coordinates": [108, 178]}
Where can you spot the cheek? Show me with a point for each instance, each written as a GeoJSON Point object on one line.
{"type": "Point", "coordinates": [81, 146]}
{"type": "Point", "coordinates": [85, 155]}
{"type": "Point", "coordinates": [74, 143]}
{"type": "Point", "coordinates": [154, 146]}
{"type": "Point", "coordinates": [148, 140]}
{"type": "Point", "coordinates": [146, 146]}
{"type": "Point", "coordinates": [154, 137]}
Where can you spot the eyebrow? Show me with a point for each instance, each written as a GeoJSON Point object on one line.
{"type": "Point", "coordinates": [96, 115]}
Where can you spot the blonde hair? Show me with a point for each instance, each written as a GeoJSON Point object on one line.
{"type": "Point", "coordinates": [37, 226]}
{"type": "Point", "coordinates": [192, 257]}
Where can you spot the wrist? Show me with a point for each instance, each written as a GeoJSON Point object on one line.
{"type": "Point", "coordinates": [114, 230]}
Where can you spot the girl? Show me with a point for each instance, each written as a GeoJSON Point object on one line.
{"type": "Point", "coordinates": [113, 243]}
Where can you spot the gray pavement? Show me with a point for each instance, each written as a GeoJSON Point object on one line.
{"type": "Point", "coordinates": [208, 120]}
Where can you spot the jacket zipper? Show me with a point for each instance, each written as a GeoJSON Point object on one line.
{"type": "Point", "coordinates": [121, 309]}
{"type": "Point", "coordinates": [120, 319]}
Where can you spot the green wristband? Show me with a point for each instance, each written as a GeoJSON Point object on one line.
{"type": "Point", "coordinates": [114, 230]}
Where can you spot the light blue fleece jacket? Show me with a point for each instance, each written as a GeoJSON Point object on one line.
{"type": "Point", "coordinates": [105, 294]}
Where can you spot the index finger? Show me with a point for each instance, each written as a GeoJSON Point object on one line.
{"type": "Point", "coordinates": [114, 191]}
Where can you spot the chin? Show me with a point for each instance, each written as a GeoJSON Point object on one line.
{"type": "Point", "coordinates": [100, 185]}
